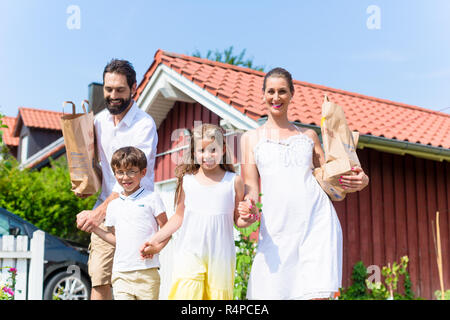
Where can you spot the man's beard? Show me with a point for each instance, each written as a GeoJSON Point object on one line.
{"type": "Point", "coordinates": [117, 109]}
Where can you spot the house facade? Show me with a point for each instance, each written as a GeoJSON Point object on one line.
{"type": "Point", "coordinates": [404, 149]}
{"type": "Point", "coordinates": [34, 136]}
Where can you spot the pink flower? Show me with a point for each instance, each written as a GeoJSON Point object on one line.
{"type": "Point", "coordinates": [13, 270]}
{"type": "Point", "coordinates": [8, 291]}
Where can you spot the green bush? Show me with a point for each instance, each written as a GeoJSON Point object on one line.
{"type": "Point", "coordinates": [2, 126]}
{"type": "Point", "coordinates": [439, 296]}
{"type": "Point", "coordinates": [358, 289]}
{"type": "Point", "coordinates": [43, 198]}
{"type": "Point", "coordinates": [363, 289]}
{"type": "Point", "coordinates": [245, 252]}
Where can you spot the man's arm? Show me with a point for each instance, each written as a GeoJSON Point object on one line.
{"type": "Point", "coordinates": [88, 219]}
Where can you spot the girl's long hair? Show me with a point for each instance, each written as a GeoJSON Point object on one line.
{"type": "Point", "coordinates": [189, 165]}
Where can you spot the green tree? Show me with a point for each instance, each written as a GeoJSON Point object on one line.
{"type": "Point", "coordinates": [227, 56]}
{"type": "Point", "coordinates": [43, 198]}
{"type": "Point", "coordinates": [2, 126]}
{"type": "Point", "coordinates": [3, 148]}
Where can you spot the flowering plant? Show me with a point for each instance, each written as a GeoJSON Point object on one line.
{"type": "Point", "coordinates": [7, 288]}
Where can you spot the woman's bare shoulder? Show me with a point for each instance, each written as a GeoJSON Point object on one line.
{"type": "Point", "coordinates": [310, 133]}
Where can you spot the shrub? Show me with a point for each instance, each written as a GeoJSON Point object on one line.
{"type": "Point", "coordinates": [438, 295]}
{"type": "Point", "coordinates": [363, 289]}
{"type": "Point", "coordinates": [245, 252]}
{"type": "Point", "coordinates": [44, 198]}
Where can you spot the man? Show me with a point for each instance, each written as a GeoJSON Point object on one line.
{"type": "Point", "coordinates": [124, 125]}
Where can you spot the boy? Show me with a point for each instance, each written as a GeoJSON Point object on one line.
{"type": "Point", "coordinates": [131, 220]}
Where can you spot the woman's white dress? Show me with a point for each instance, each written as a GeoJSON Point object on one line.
{"type": "Point", "coordinates": [299, 253]}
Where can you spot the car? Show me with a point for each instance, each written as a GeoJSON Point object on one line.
{"type": "Point", "coordinates": [65, 262]}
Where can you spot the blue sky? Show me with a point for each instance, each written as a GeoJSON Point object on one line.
{"type": "Point", "coordinates": [327, 42]}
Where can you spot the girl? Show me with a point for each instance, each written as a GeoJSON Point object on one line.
{"type": "Point", "coordinates": [299, 252]}
{"type": "Point", "coordinates": [207, 197]}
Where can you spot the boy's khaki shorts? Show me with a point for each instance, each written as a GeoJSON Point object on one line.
{"type": "Point", "coordinates": [136, 285]}
{"type": "Point", "coordinates": [101, 255]}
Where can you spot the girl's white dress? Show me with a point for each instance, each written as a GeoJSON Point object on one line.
{"type": "Point", "coordinates": [299, 253]}
{"type": "Point", "coordinates": [205, 255]}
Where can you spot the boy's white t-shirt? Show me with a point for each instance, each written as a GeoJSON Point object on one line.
{"type": "Point", "coordinates": [134, 221]}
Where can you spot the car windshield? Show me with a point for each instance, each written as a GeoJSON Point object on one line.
{"type": "Point", "coordinates": [4, 225]}
{"type": "Point", "coordinates": [10, 226]}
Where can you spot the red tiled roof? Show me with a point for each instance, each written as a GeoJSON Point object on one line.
{"type": "Point", "coordinates": [37, 118]}
{"type": "Point", "coordinates": [8, 136]}
{"type": "Point", "coordinates": [241, 88]}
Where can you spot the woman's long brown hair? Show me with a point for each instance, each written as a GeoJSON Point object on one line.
{"type": "Point", "coordinates": [189, 165]}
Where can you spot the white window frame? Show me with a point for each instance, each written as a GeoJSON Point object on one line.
{"type": "Point", "coordinates": [24, 148]}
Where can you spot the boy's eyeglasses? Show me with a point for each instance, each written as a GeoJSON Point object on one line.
{"type": "Point", "coordinates": [129, 173]}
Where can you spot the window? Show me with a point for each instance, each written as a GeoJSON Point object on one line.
{"type": "Point", "coordinates": [16, 228]}
{"type": "Point", "coordinates": [24, 149]}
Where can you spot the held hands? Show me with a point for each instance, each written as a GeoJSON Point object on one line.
{"type": "Point", "coordinates": [149, 248]}
{"type": "Point", "coordinates": [355, 182]}
{"type": "Point", "coordinates": [248, 211]}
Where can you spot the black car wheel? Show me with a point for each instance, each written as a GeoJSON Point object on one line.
{"type": "Point", "coordinates": [66, 286]}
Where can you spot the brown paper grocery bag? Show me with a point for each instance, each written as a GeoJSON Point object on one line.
{"type": "Point", "coordinates": [339, 145]}
{"type": "Point", "coordinates": [79, 138]}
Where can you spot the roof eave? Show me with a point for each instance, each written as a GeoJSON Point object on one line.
{"type": "Point", "coordinates": [165, 74]}
{"type": "Point", "coordinates": [18, 126]}
{"type": "Point", "coordinates": [395, 146]}
{"type": "Point", "coordinates": [404, 147]}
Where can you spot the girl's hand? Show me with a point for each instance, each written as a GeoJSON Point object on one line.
{"type": "Point", "coordinates": [148, 249]}
{"type": "Point", "coordinates": [356, 182]}
{"type": "Point", "coordinates": [248, 211]}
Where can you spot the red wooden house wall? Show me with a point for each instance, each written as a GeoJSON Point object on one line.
{"type": "Point", "coordinates": [182, 115]}
{"type": "Point", "coordinates": [393, 217]}
{"type": "Point", "coordinates": [390, 218]}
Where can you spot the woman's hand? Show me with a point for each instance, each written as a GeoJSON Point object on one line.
{"type": "Point", "coordinates": [247, 211]}
{"type": "Point", "coordinates": [356, 182]}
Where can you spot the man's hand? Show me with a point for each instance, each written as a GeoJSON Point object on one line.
{"type": "Point", "coordinates": [87, 220]}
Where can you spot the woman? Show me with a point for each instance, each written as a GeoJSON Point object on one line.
{"type": "Point", "coordinates": [299, 252]}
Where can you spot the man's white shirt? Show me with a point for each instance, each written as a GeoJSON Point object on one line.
{"type": "Point", "coordinates": [136, 129]}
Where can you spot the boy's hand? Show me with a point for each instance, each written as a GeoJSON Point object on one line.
{"type": "Point", "coordinates": [248, 211]}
